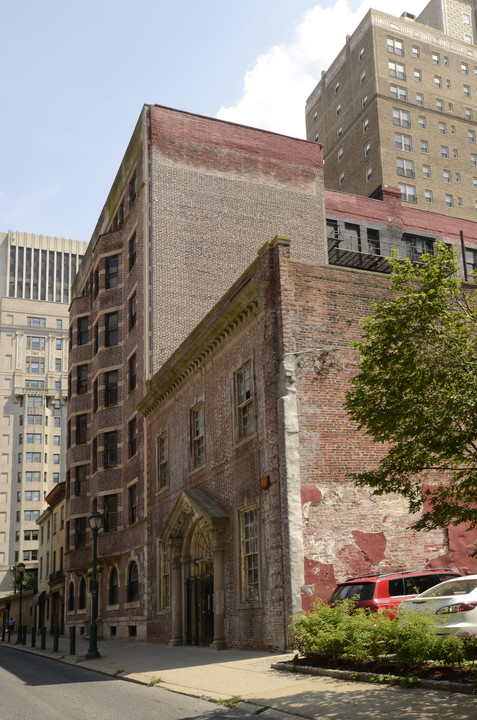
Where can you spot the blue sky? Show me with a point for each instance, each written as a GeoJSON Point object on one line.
{"type": "Point", "coordinates": [75, 75]}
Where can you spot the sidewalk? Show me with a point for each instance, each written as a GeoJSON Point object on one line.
{"type": "Point", "coordinates": [204, 673]}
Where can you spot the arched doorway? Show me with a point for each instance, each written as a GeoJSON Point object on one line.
{"type": "Point", "coordinates": [200, 587]}
{"type": "Point", "coordinates": [195, 537]}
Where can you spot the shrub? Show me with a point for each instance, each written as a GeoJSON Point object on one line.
{"type": "Point", "coordinates": [414, 639]}
{"type": "Point", "coordinates": [469, 646]}
{"type": "Point", "coordinates": [449, 650]}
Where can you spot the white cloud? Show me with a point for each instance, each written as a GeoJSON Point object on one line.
{"type": "Point", "coordinates": [276, 89]}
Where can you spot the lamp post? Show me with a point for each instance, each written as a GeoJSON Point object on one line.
{"type": "Point", "coordinates": [95, 520]}
{"type": "Point", "coordinates": [19, 579]}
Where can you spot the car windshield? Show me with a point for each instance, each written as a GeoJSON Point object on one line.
{"type": "Point", "coordinates": [452, 587]}
{"type": "Point", "coordinates": [362, 591]}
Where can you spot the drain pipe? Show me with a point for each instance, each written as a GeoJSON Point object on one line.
{"type": "Point", "coordinates": [462, 244]}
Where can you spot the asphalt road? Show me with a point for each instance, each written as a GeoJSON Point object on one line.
{"type": "Point", "coordinates": [36, 687]}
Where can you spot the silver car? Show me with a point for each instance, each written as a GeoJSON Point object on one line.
{"type": "Point", "coordinates": [451, 606]}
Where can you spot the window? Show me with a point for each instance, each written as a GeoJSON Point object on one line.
{"type": "Point", "coordinates": [132, 312]}
{"type": "Point", "coordinates": [361, 54]}
{"type": "Point", "coordinates": [470, 260]}
{"type": "Point", "coordinates": [446, 174]}
{"type": "Point", "coordinates": [315, 115]}
{"type": "Point", "coordinates": [110, 512]}
{"type": "Point", "coordinates": [422, 122]}
{"type": "Point", "coordinates": [408, 192]}
{"type": "Point", "coordinates": [31, 515]}
{"type": "Point", "coordinates": [32, 495]}
{"type": "Point", "coordinates": [365, 124]}
{"type": "Point", "coordinates": [132, 190]}
{"type": "Point", "coordinates": [424, 147]}
{"type": "Point", "coordinates": [36, 322]}
{"type": "Point", "coordinates": [35, 366]}
{"type": "Point", "coordinates": [56, 440]}
{"type": "Point", "coordinates": [419, 99]}
{"type": "Point", "coordinates": [364, 101]}
{"type": "Point", "coordinates": [111, 449]}
{"type": "Point", "coordinates": [56, 459]}
{"type": "Point", "coordinates": [133, 583]}
{"type": "Point", "coordinates": [369, 174]}
{"type": "Point", "coordinates": [400, 93]}
{"type": "Point", "coordinates": [33, 457]}
{"type": "Point", "coordinates": [338, 109]}
{"type": "Point", "coordinates": [33, 476]}
{"type": "Point", "coordinates": [474, 180]}
{"type": "Point", "coordinates": [417, 75]}
{"type": "Point", "coordinates": [416, 52]}
{"type": "Point", "coordinates": [250, 586]}
{"type": "Point", "coordinates": [440, 105]}
{"type": "Point", "coordinates": [57, 365]}
{"type": "Point", "coordinates": [339, 132]}
{"type": "Point", "coordinates": [82, 379]}
{"type": "Point", "coordinates": [367, 149]}
{"type": "Point", "coordinates": [396, 70]}
{"type": "Point", "coordinates": [80, 480]}
{"type": "Point", "coordinates": [341, 178]}
{"type": "Point", "coordinates": [82, 595]}
{"type": "Point", "coordinates": [81, 429]}
{"type": "Point", "coordinates": [197, 436]}
{"type": "Point", "coordinates": [35, 343]}
{"type": "Point", "coordinates": [471, 136]}
{"type": "Point", "coordinates": [426, 171]}
{"type": "Point", "coordinates": [82, 330]}
{"type": "Point", "coordinates": [437, 81]}
{"type": "Point", "coordinates": [450, 201]}
{"type": "Point", "coordinates": [401, 117]}
{"type": "Point", "coordinates": [71, 597]}
{"type": "Point", "coordinates": [110, 388]}
{"type": "Point", "coordinates": [469, 114]}
{"type": "Point", "coordinates": [466, 89]}
{"type": "Point", "coordinates": [339, 156]}
{"type": "Point", "coordinates": [442, 128]}
{"type": "Point", "coordinates": [132, 251]}
{"type": "Point", "coordinates": [444, 152]}
{"type": "Point", "coordinates": [132, 437]}
{"type": "Point", "coordinates": [244, 402]}
{"type": "Point", "coordinates": [457, 177]}
{"type": "Point", "coordinates": [316, 137]}
{"type": "Point", "coordinates": [459, 201]}
{"type": "Point", "coordinates": [132, 504]}
{"type": "Point", "coordinates": [403, 142]}
{"type": "Point", "coordinates": [94, 455]}
{"type": "Point", "coordinates": [395, 46]}
{"type": "Point", "coordinates": [34, 438]}
{"type": "Point", "coordinates": [464, 68]}
{"type": "Point", "coordinates": [95, 395]}
{"type": "Point", "coordinates": [162, 456]}
{"type": "Point", "coordinates": [405, 167]}
{"type": "Point", "coordinates": [452, 129]}
{"type": "Point", "coordinates": [132, 372]}
{"type": "Point", "coordinates": [362, 77]}
{"type": "Point", "coordinates": [111, 336]}
{"type": "Point", "coordinates": [112, 272]}
{"type": "Point", "coordinates": [80, 532]}
{"type": "Point", "coordinates": [113, 587]}
{"type": "Point", "coordinates": [473, 160]}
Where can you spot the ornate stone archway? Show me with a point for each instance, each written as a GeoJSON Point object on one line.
{"type": "Point", "coordinates": [195, 534]}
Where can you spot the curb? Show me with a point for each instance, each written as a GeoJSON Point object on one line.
{"type": "Point", "coordinates": [352, 676]}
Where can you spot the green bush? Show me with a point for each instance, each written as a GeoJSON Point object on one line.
{"type": "Point", "coordinates": [449, 650]}
{"type": "Point", "coordinates": [414, 639]}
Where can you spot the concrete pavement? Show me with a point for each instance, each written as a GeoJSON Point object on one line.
{"type": "Point", "coordinates": [216, 676]}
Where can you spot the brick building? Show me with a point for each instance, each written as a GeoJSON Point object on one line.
{"type": "Point", "coordinates": [205, 418]}
{"type": "Point", "coordinates": [397, 107]}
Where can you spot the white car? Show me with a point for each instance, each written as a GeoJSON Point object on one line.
{"type": "Point", "coordinates": [451, 605]}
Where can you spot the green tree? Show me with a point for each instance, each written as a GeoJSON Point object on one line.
{"type": "Point", "coordinates": [416, 391]}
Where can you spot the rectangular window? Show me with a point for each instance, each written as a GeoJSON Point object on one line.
{"type": "Point", "coordinates": [132, 251]}
{"type": "Point", "coordinates": [442, 128]}
{"type": "Point", "coordinates": [464, 68]}
{"type": "Point", "coordinates": [401, 117]}
{"type": "Point", "coordinates": [405, 167]}
{"type": "Point", "coordinates": [132, 437]}
{"type": "Point", "coordinates": [132, 312]}
{"type": "Point", "coordinates": [437, 81]}
{"type": "Point", "coordinates": [436, 58]}
{"type": "Point", "coordinates": [473, 160]}
{"type": "Point", "coordinates": [112, 272]}
{"type": "Point", "coordinates": [417, 75]}
{"type": "Point", "coordinates": [339, 155]}
{"type": "Point", "coordinates": [82, 379]}
{"type": "Point", "coordinates": [396, 70]}
{"type": "Point", "coordinates": [416, 52]}
{"type": "Point", "coordinates": [132, 190]}
{"type": "Point", "coordinates": [132, 504]}
{"type": "Point", "coordinates": [341, 178]}
{"type": "Point", "coordinates": [398, 92]}
{"type": "Point", "coordinates": [244, 402]}
{"type": "Point", "coordinates": [111, 449]}
{"type": "Point", "coordinates": [111, 334]}
{"type": "Point", "coordinates": [110, 512]}
{"type": "Point", "coordinates": [440, 105]}
{"type": "Point", "coordinates": [424, 147]}
{"type": "Point", "coordinates": [367, 149]}
{"type": "Point", "coordinates": [162, 456]}
{"type": "Point", "coordinates": [471, 136]}
{"type": "Point", "coordinates": [35, 343]}
{"type": "Point", "coordinates": [426, 171]}
{"type": "Point", "coordinates": [36, 322]}
{"type": "Point", "coordinates": [80, 480]}
{"type": "Point", "coordinates": [82, 330]}
{"type": "Point", "coordinates": [110, 388]}
{"type": "Point", "coordinates": [402, 142]}
{"type": "Point", "coordinates": [80, 532]}
{"type": "Point", "coordinates": [250, 586]}
{"type": "Point", "coordinates": [197, 436]}
{"type": "Point", "coordinates": [408, 192]}
{"type": "Point", "coordinates": [450, 201]}
{"type": "Point", "coordinates": [81, 429]}
{"type": "Point", "coordinates": [422, 122]}
{"type": "Point", "coordinates": [419, 99]}
{"type": "Point", "coordinates": [469, 113]}
{"type": "Point", "coordinates": [395, 46]}
{"type": "Point", "coordinates": [466, 91]}
{"type": "Point", "coordinates": [446, 174]}
{"type": "Point", "coordinates": [444, 152]}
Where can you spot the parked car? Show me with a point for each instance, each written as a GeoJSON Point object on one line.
{"type": "Point", "coordinates": [385, 592]}
{"type": "Point", "coordinates": [451, 605]}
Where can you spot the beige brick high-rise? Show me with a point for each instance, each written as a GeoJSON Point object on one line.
{"type": "Point", "coordinates": [398, 107]}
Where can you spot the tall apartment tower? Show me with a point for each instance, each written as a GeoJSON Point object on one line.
{"type": "Point", "coordinates": [398, 107]}
{"type": "Point", "coordinates": [36, 273]}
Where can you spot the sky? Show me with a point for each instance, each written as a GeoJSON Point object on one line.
{"type": "Point", "coordinates": [74, 77]}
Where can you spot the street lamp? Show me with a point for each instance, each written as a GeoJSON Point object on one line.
{"type": "Point", "coordinates": [19, 579]}
{"type": "Point", "coordinates": [95, 521]}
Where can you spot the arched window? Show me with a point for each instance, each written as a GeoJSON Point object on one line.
{"type": "Point", "coordinates": [82, 594]}
{"type": "Point", "coordinates": [71, 596]}
{"type": "Point", "coordinates": [133, 582]}
{"type": "Point", "coordinates": [113, 587]}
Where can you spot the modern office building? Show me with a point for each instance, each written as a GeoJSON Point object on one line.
{"type": "Point", "coordinates": [398, 107]}
{"type": "Point", "coordinates": [36, 273]}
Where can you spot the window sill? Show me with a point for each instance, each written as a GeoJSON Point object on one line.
{"type": "Point", "coordinates": [132, 604]}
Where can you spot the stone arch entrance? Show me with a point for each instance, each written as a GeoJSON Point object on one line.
{"type": "Point", "coordinates": [195, 535]}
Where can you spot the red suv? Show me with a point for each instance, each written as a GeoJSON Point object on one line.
{"type": "Point", "coordinates": [385, 592]}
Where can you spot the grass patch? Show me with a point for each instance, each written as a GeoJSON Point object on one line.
{"type": "Point", "coordinates": [153, 681]}
{"type": "Point", "coordinates": [230, 702]}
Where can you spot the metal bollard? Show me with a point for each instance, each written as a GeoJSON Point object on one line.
{"type": "Point", "coordinates": [56, 635]}
{"type": "Point", "coordinates": [33, 637]}
{"type": "Point", "coordinates": [43, 638]}
{"type": "Point", "coordinates": [72, 640]}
